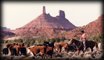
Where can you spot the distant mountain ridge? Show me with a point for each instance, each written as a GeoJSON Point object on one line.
{"type": "Point", "coordinates": [94, 28]}
{"type": "Point", "coordinates": [6, 32]}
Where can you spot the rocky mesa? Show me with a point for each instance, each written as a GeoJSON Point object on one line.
{"type": "Point", "coordinates": [45, 25]}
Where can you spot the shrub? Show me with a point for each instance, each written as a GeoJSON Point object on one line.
{"type": "Point", "coordinates": [97, 37]}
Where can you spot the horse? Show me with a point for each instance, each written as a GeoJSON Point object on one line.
{"type": "Point", "coordinates": [80, 46]}
{"type": "Point", "coordinates": [91, 44]}
{"type": "Point", "coordinates": [72, 48]}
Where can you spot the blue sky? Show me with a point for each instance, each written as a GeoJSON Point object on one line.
{"type": "Point", "coordinates": [17, 14]}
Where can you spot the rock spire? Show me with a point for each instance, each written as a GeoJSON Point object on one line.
{"type": "Point", "coordinates": [44, 10]}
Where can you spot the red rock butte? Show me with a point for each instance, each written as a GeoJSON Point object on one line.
{"type": "Point", "coordinates": [46, 25]}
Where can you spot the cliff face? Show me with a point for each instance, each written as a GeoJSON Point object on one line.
{"type": "Point", "coordinates": [92, 29]}
{"type": "Point", "coordinates": [45, 25]}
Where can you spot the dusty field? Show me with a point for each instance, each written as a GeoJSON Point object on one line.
{"type": "Point", "coordinates": [69, 55]}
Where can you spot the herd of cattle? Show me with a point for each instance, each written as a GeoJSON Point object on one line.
{"type": "Point", "coordinates": [71, 48]}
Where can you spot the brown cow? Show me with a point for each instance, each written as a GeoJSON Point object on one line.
{"type": "Point", "coordinates": [42, 50]}
{"type": "Point", "coordinates": [38, 49]}
{"type": "Point", "coordinates": [13, 49]}
{"type": "Point", "coordinates": [49, 51]}
{"type": "Point", "coordinates": [60, 46]}
{"type": "Point", "coordinates": [16, 46]}
{"type": "Point", "coordinates": [22, 49]}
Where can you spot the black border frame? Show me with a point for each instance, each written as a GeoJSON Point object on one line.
{"type": "Point", "coordinates": [54, 1]}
